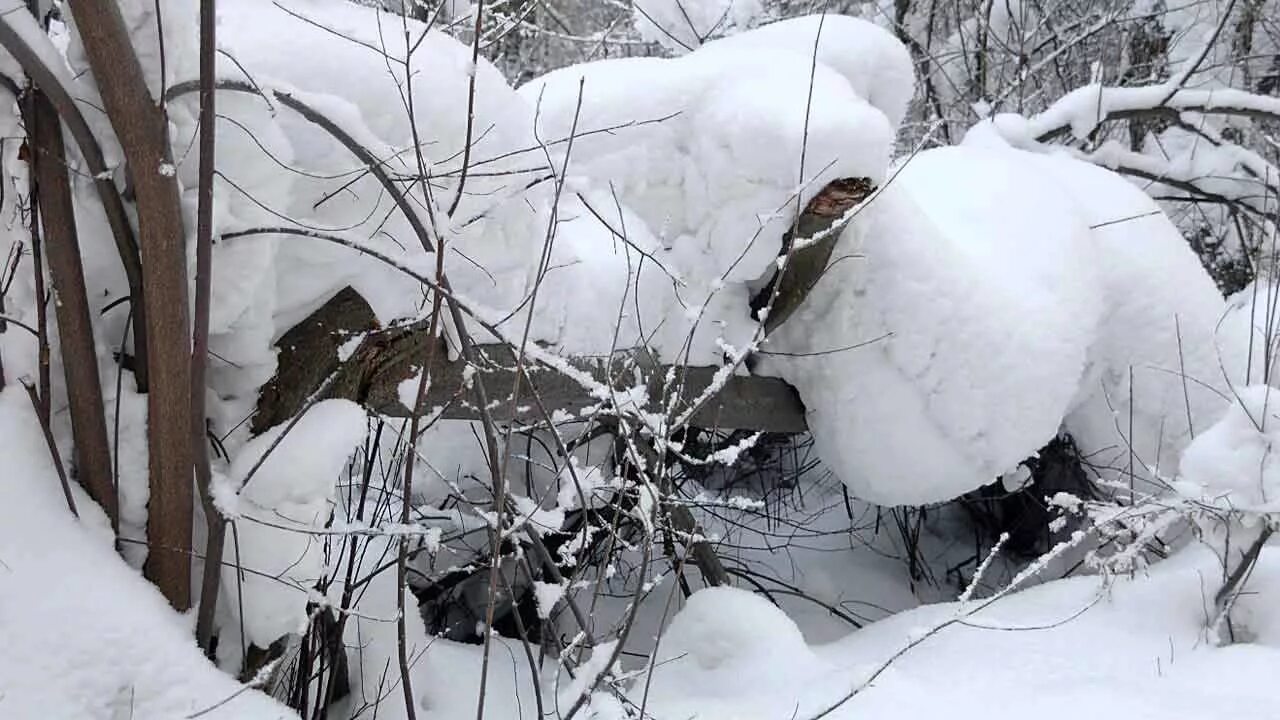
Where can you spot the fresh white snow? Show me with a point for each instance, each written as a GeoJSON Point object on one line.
{"type": "Point", "coordinates": [989, 297]}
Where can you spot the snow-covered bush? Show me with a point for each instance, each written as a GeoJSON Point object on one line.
{"type": "Point", "coordinates": [484, 363]}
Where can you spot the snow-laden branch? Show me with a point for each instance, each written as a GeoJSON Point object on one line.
{"type": "Point", "coordinates": [1082, 110]}
{"type": "Point", "coordinates": [1257, 193]}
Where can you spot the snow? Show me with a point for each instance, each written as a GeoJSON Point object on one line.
{"type": "Point", "coordinates": [374, 674]}
{"type": "Point", "coordinates": [1129, 647]}
{"type": "Point", "coordinates": [1232, 464]}
{"type": "Point", "coordinates": [26, 30]}
{"type": "Point", "coordinates": [289, 495]}
{"type": "Point", "coordinates": [1164, 356]}
{"type": "Point", "coordinates": [997, 295]}
{"type": "Point", "coordinates": [724, 631]}
{"type": "Point", "coordinates": [359, 89]}
{"type": "Point", "coordinates": [1084, 108]}
{"type": "Point", "coordinates": [130, 457]}
{"type": "Point", "coordinates": [547, 596]}
{"type": "Point", "coordinates": [876, 65]}
{"type": "Point", "coordinates": [977, 313]}
{"type": "Point", "coordinates": [706, 151]}
{"type": "Point", "coordinates": [683, 25]}
{"type": "Point", "coordinates": [1003, 295]}
{"type": "Point", "coordinates": [84, 635]}
{"type": "Point", "coordinates": [639, 212]}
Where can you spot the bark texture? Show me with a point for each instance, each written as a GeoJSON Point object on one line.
{"type": "Point", "coordinates": [71, 308]}
{"type": "Point", "coordinates": [142, 129]}
{"type": "Point", "coordinates": [385, 357]}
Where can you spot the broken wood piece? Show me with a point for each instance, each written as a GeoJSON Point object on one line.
{"type": "Point", "coordinates": [823, 218]}
{"type": "Point", "coordinates": [372, 372]}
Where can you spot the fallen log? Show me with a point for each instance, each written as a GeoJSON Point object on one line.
{"type": "Point", "coordinates": [310, 359]}
{"type": "Point", "coordinates": [371, 375]}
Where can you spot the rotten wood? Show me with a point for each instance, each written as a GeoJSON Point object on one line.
{"type": "Point", "coordinates": [386, 357]}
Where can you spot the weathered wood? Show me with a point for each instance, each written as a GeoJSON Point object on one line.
{"type": "Point", "coordinates": [385, 357]}
{"type": "Point", "coordinates": [806, 265]}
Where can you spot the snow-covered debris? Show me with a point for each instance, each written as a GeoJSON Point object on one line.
{"type": "Point", "coordinates": [279, 164]}
{"type": "Point", "coordinates": [84, 636]}
{"type": "Point", "coordinates": [287, 499]}
{"type": "Point", "coordinates": [977, 288]}
{"type": "Point", "coordinates": [1191, 153]}
{"type": "Point", "coordinates": [1009, 294]}
{"type": "Point", "coordinates": [680, 178]}
{"type": "Point", "coordinates": [1081, 110]}
{"type": "Point", "coordinates": [707, 150]}
{"type": "Point", "coordinates": [1235, 463]}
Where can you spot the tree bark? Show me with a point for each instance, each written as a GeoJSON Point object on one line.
{"type": "Point", "coordinates": [804, 268]}
{"type": "Point", "coordinates": [214, 522]}
{"type": "Point", "coordinates": [386, 357]}
{"type": "Point", "coordinates": [71, 307]}
{"type": "Point", "coordinates": [48, 81]}
{"type": "Point", "coordinates": [142, 129]}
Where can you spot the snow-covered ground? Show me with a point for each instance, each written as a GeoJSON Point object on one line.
{"type": "Point", "coordinates": [988, 297]}
{"type": "Point", "coordinates": [84, 635]}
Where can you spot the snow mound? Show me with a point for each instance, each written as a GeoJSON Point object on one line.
{"type": "Point", "coordinates": [276, 511]}
{"type": "Point", "coordinates": [721, 627]}
{"type": "Point", "coordinates": [708, 152]}
{"type": "Point", "coordinates": [703, 145]}
{"type": "Point", "coordinates": [975, 299]}
{"type": "Point", "coordinates": [681, 176]}
{"type": "Point", "coordinates": [1233, 464]}
{"type": "Point", "coordinates": [84, 636]}
{"type": "Point", "coordinates": [370, 96]}
{"type": "Point", "coordinates": [994, 297]}
{"type": "Point", "coordinates": [1060, 651]}
{"type": "Point", "coordinates": [876, 64]}
{"type": "Point", "coordinates": [1165, 355]}
{"type": "Point", "coordinates": [726, 642]}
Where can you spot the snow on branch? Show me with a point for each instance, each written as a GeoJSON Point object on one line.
{"type": "Point", "coordinates": [1081, 111]}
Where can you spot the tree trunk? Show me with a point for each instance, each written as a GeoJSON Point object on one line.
{"type": "Point", "coordinates": [71, 306]}
{"type": "Point", "coordinates": [200, 332]}
{"type": "Point", "coordinates": [142, 129]}
{"type": "Point", "coordinates": [372, 374]}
